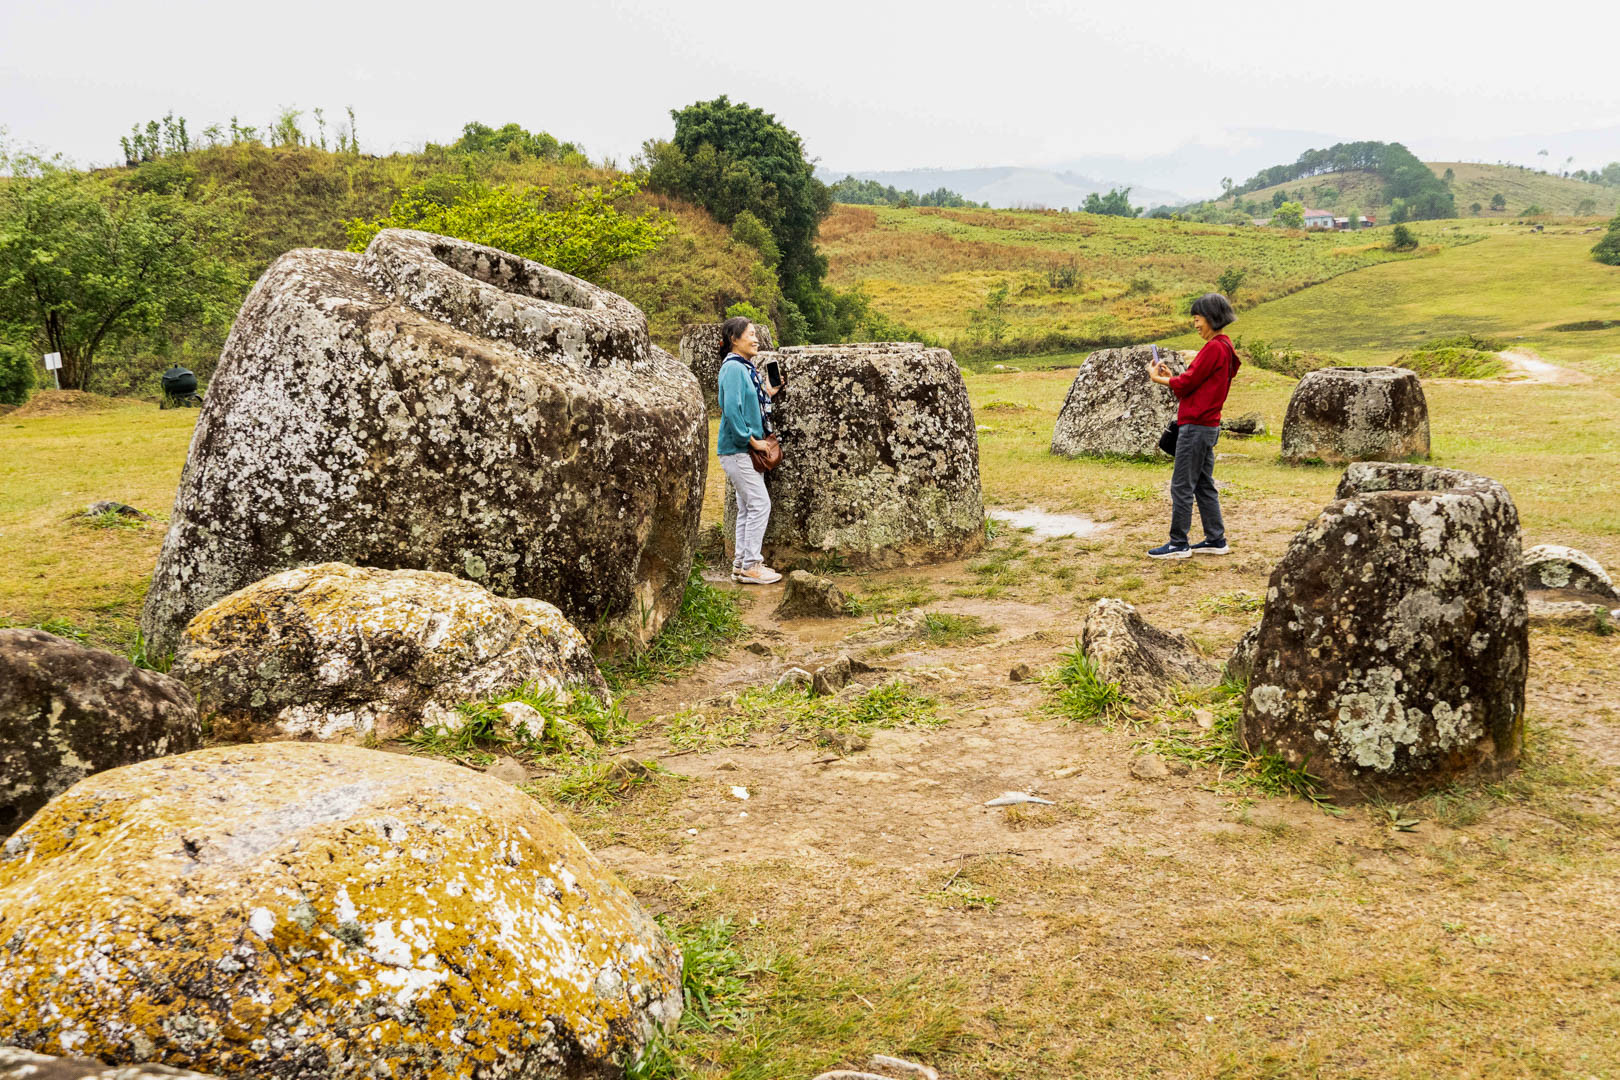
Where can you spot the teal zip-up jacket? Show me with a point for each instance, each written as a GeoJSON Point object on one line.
{"type": "Point", "coordinates": [740, 418]}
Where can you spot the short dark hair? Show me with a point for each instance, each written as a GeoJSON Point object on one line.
{"type": "Point", "coordinates": [730, 331]}
{"type": "Point", "coordinates": [1216, 308]}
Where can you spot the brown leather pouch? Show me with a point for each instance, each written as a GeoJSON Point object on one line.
{"type": "Point", "coordinates": [769, 458]}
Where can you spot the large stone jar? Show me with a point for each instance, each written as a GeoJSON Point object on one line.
{"type": "Point", "coordinates": [433, 404]}
{"type": "Point", "coordinates": [1393, 651]}
{"type": "Point", "coordinates": [315, 912]}
{"type": "Point", "coordinates": [1343, 414]}
{"type": "Point", "coordinates": [1113, 407]}
{"type": "Point", "coordinates": [880, 458]}
{"type": "Point", "coordinates": [700, 350]}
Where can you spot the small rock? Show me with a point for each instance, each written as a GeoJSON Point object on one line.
{"type": "Point", "coordinates": [1021, 673]}
{"type": "Point", "coordinates": [844, 742]}
{"type": "Point", "coordinates": [1246, 425]}
{"type": "Point", "coordinates": [794, 678]}
{"type": "Point", "coordinates": [108, 506]}
{"type": "Point", "coordinates": [831, 678]}
{"type": "Point", "coordinates": [727, 766]}
{"type": "Point", "coordinates": [1066, 772]}
{"type": "Point", "coordinates": [1178, 767]}
{"type": "Point", "coordinates": [758, 648]}
{"type": "Point", "coordinates": [1205, 718]}
{"type": "Point", "coordinates": [509, 770]}
{"type": "Point", "coordinates": [1572, 615]}
{"type": "Point", "coordinates": [1145, 660]}
{"type": "Point", "coordinates": [1149, 767]}
{"type": "Point", "coordinates": [807, 596]}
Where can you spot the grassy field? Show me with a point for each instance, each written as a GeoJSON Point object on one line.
{"type": "Point", "coordinates": [1471, 183]}
{"type": "Point", "coordinates": [930, 268]}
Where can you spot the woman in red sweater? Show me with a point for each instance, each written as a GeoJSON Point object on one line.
{"type": "Point", "coordinates": [1202, 391]}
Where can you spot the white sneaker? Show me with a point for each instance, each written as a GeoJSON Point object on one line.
{"type": "Point", "coordinates": [758, 574]}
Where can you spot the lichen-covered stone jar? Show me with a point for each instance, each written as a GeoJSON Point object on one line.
{"type": "Point", "coordinates": [433, 404]}
{"type": "Point", "coordinates": [1342, 414]}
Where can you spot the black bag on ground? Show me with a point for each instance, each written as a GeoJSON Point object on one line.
{"type": "Point", "coordinates": [1167, 439]}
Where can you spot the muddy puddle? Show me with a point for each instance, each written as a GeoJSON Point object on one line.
{"type": "Point", "coordinates": [1049, 526]}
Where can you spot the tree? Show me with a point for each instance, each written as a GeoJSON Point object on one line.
{"type": "Point", "coordinates": [86, 264]}
{"type": "Point", "coordinates": [580, 233]}
{"type": "Point", "coordinates": [1586, 207]}
{"type": "Point", "coordinates": [1355, 218]}
{"type": "Point", "coordinates": [1607, 250]}
{"type": "Point", "coordinates": [1475, 208]}
{"type": "Point", "coordinates": [16, 373]}
{"type": "Point", "coordinates": [1117, 203]}
{"type": "Point", "coordinates": [512, 142]}
{"type": "Point", "coordinates": [1277, 199]}
{"type": "Point", "coordinates": [729, 158]}
{"type": "Point", "coordinates": [1449, 177]}
{"type": "Point", "coordinates": [1498, 201]}
{"type": "Point", "coordinates": [1533, 210]}
{"type": "Point", "coordinates": [989, 323]}
{"type": "Point", "coordinates": [1290, 215]}
{"type": "Point", "coordinates": [1402, 239]}
{"type": "Point", "coordinates": [1227, 284]}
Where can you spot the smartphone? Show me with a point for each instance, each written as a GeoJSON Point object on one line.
{"type": "Point", "coordinates": [773, 372]}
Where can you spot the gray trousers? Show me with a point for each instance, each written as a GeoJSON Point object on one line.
{"type": "Point", "coordinates": [1194, 478]}
{"type": "Point", "coordinates": [753, 508]}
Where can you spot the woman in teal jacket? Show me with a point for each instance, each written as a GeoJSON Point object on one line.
{"type": "Point", "coordinates": [745, 406]}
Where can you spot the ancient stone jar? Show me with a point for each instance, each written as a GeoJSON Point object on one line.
{"type": "Point", "coordinates": [1394, 647]}
{"type": "Point", "coordinates": [437, 405]}
{"type": "Point", "coordinates": [333, 651]}
{"type": "Point", "coordinates": [1356, 414]}
{"type": "Point", "coordinates": [1113, 407]}
{"type": "Point", "coordinates": [67, 711]}
{"type": "Point", "coordinates": [881, 458]}
{"type": "Point", "coordinates": [700, 351]}
{"type": "Point", "coordinates": [318, 911]}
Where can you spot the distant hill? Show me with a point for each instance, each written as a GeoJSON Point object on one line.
{"type": "Point", "coordinates": [1010, 187]}
{"type": "Point", "coordinates": [1521, 187]}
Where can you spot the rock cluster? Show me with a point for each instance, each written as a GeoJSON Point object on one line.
{"type": "Point", "coordinates": [1143, 659]}
{"type": "Point", "coordinates": [1114, 408]}
{"type": "Point", "coordinates": [881, 458]}
{"type": "Point", "coordinates": [67, 711]}
{"type": "Point", "coordinates": [437, 405]}
{"type": "Point", "coordinates": [700, 351]}
{"type": "Point", "coordinates": [334, 651]}
{"type": "Point", "coordinates": [1344, 414]}
{"type": "Point", "coordinates": [1394, 647]}
{"type": "Point", "coordinates": [317, 911]}
{"type": "Point", "coordinates": [804, 595]}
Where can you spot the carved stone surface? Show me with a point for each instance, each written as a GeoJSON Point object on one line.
{"type": "Point", "coordinates": [67, 711]}
{"type": "Point", "coordinates": [1114, 408]}
{"type": "Point", "coordinates": [804, 595]}
{"type": "Point", "coordinates": [1346, 414]}
{"type": "Point", "coordinates": [334, 651]}
{"type": "Point", "coordinates": [881, 458]}
{"type": "Point", "coordinates": [311, 911]}
{"type": "Point", "coordinates": [1394, 647]}
{"type": "Point", "coordinates": [1553, 568]}
{"type": "Point", "coordinates": [1143, 659]}
{"type": "Point", "coordinates": [700, 351]}
{"type": "Point", "coordinates": [433, 404]}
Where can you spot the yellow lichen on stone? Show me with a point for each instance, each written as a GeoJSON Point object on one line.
{"type": "Point", "coordinates": [323, 905]}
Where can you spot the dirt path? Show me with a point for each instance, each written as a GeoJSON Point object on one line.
{"type": "Point", "coordinates": [1526, 367]}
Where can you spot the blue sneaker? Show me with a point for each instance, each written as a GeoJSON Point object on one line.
{"type": "Point", "coordinates": [1207, 547]}
{"type": "Point", "coordinates": [1171, 550]}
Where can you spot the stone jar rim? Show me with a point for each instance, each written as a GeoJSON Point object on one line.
{"type": "Point", "coordinates": [494, 294]}
{"type": "Point", "coordinates": [1374, 371]}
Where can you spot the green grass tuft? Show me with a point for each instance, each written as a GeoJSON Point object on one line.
{"type": "Point", "coordinates": [1082, 694]}
{"type": "Point", "coordinates": [793, 713]}
{"type": "Point", "coordinates": [707, 623]}
{"type": "Point", "coordinates": [1237, 769]}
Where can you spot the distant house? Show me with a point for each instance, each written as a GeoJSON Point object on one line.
{"type": "Point", "coordinates": [1318, 219]}
{"type": "Point", "coordinates": [1344, 222]}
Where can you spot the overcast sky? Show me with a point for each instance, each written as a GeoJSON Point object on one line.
{"type": "Point", "coordinates": [869, 85]}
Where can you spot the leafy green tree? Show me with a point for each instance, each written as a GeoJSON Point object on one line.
{"type": "Point", "coordinates": [85, 264]}
{"type": "Point", "coordinates": [1277, 199]}
{"type": "Point", "coordinates": [1290, 215]}
{"type": "Point", "coordinates": [1402, 239]}
{"type": "Point", "coordinates": [581, 232]}
{"type": "Point", "coordinates": [989, 323]}
{"type": "Point", "coordinates": [1475, 208]}
{"type": "Point", "coordinates": [729, 158]}
{"type": "Point", "coordinates": [1607, 250]}
{"type": "Point", "coordinates": [16, 373]}
{"type": "Point", "coordinates": [1449, 177]}
{"type": "Point", "coordinates": [1533, 209]}
{"type": "Point", "coordinates": [513, 142]}
{"type": "Point", "coordinates": [1355, 218]}
{"type": "Point", "coordinates": [1498, 201]}
{"type": "Point", "coordinates": [748, 229]}
{"type": "Point", "coordinates": [285, 131]}
{"type": "Point", "coordinates": [1229, 280]}
{"type": "Point", "coordinates": [1117, 203]}
{"type": "Point", "coordinates": [1586, 208]}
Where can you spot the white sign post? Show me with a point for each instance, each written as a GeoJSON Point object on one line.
{"type": "Point", "coordinates": [53, 364]}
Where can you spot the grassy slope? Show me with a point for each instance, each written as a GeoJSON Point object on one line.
{"type": "Point", "coordinates": [1515, 284]}
{"type": "Point", "coordinates": [929, 268]}
{"type": "Point", "coordinates": [1472, 183]}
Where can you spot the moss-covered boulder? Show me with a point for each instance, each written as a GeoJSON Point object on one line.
{"type": "Point", "coordinates": [67, 710]}
{"type": "Point", "coordinates": [1343, 414]}
{"type": "Point", "coordinates": [311, 911]}
{"type": "Point", "coordinates": [334, 651]}
{"type": "Point", "coordinates": [880, 458]}
{"type": "Point", "coordinates": [1392, 655]}
{"type": "Point", "coordinates": [433, 404]}
{"type": "Point", "coordinates": [1113, 407]}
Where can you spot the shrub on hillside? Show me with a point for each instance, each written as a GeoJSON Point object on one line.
{"type": "Point", "coordinates": [1461, 356]}
{"type": "Point", "coordinates": [1402, 239]}
{"type": "Point", "coordinates": [1607, 250]}
{"type": "Point", "coordinates": [1290, 215]}
{"type": "Point", "coordinates": [1283, 359]}
{"type": "Point", "coordinates": [16, 373]}
{"type": "Point", "coordinates": [1117, 203]}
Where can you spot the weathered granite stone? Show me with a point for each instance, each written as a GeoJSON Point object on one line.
{"type": "Point", "coordinates": [1394, 647]}
{"type": "Point", "coordinates": [1248, 424]}
{"type": "Point", "coordinates": [1240, 665]}
{"type": "Point", "coordinates": [1345, 414]}
{"type": "Point", "coordinates": [437, 405]}
{"type": "Point", "coordinates": [67, 711]}
{"type": "Point", "coordinates": [1556, 569]}
{"type": "Point", "coordinates": [1143, 659]}
{"type": "Point", "coordinates": [1571, 614]}
{"type": "Point", "coordinates": [18, 1064]}
{"type": "Point", "coordinates": [881, 458]}
{"type": "Point", "coordinates": [1114, 408]}
{"type": "Point", "coordinates": [310, 911]}
{"type": "Point", "coordinates": [334, 651]}
{"type": "Point", "coordinates": [807, 596]}
{"type": "Point", "coordinates": [700, 351]}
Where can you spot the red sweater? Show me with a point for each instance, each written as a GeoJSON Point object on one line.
{"type": "Point", "coordinates": [1202, 387]}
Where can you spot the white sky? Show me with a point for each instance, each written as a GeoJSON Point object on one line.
{"type": "Point", "coordinates": [869, 85]}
